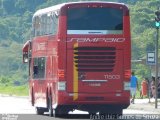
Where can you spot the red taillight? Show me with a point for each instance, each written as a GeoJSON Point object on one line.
{"type": "Point", "coordinates": [127, 74]}
{"type": "Point", "coordinates": [61, 74]}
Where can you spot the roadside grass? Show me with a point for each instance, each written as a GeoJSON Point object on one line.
{"type": "Point", "coordinates": [14, 90]}
{"type": "Point", "coordinates": [138, 95]}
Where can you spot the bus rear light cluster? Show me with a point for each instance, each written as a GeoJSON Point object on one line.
{"type": "Point", "coordinates": [126, 85]}
{"type": "Point", "coordinates": [62, 86]}
{"type": "Point", "coordinates": [127, 74]}
{"type": "Point", "coordinates": [61, 73]}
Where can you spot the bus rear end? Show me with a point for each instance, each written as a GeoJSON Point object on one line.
{"type": "Point", "coordinates": [97, 57]}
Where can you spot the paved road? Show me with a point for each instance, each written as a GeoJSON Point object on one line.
{"type": "Point", "coordinates": [15, 105]}
{"type": "Point", "coordinates": [19, 108]}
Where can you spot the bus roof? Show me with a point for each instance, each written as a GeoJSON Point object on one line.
{"type": "Point", "coordinates": [48, 9]}
{"type": "Point", "coordinates": [59, 6]}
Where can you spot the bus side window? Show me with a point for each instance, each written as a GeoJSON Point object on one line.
{"type": "Point", "coordinates": [35, 67]}
{"type": "Point", "coordinates": [43, 24]}
{"type": "Point", "coordinates": [55, 23]}
{"type": "Point", "coordinates": [35, 70]}
{"type": "Point", "coordinates": [52, 23]}
{"type": "Point", "coordinates": [36, 26]}
{"type": "Point", "coordinates": [39, 67]}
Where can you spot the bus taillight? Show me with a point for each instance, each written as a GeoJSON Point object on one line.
{"type": "Point", "coordinates": [61, 74]}
{"type": "Point", "coordinates": [127, 74]}
{"type": "Point", "coordinates": [61, 83]}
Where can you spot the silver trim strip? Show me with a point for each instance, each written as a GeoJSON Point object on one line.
{"type": "Point", "coordinates": [103, 32]}
{"type": "Point", "coordinates": [95, 80]}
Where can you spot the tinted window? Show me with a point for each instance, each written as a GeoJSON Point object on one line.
{"type": "Point", "coordinates": [39, 67]}
{"type": "Point", "coordinates": [95, 19]}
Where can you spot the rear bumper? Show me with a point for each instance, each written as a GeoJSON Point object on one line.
{"type": "Point", "coordinates": [96, 99]}
{"type": "Point", "coordinates": [94, 108]}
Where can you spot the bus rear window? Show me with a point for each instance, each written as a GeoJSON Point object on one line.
{"type": "Point", "coordinates": [94, 21]}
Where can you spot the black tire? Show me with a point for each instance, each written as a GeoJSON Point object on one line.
{"type": "Point", "coordinates": [32, 98]}
{"type": "Point", "coordinates": [40, 111]}
{"type": "Point", "coordinates": [60, 112]}
{"type": "Point", "coordinates": [56, 113]}
{"type": "Point", "coordinates": [50, 109]}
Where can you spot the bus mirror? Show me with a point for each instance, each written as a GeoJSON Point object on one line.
{"type": "Point", "coordinates": [25, 57]}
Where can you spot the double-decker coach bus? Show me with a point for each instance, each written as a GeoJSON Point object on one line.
{"type": "Point", "coordinates": [79, 58]}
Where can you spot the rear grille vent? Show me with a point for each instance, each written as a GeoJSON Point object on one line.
{"type": "Point", "coordinates": [94, 59]}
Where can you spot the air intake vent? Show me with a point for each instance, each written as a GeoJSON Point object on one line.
{"type": "Point", "coordinates": [94, 59]}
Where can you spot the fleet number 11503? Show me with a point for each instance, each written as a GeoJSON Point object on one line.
{"type": "Point", "coordinates": [112, 76]}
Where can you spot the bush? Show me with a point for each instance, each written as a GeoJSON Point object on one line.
{"type": "Point", "coordinates": [4, 80]}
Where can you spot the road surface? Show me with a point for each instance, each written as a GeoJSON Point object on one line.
{"type": "Point", "coordinates": [19, 108]}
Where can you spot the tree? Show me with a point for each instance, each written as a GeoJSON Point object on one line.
{"type": "Point", "coordinates": [4, 30]}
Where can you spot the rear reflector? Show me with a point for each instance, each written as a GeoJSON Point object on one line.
{"type": "Point", "coordinates": [126, 85]}
{"type": "Point", "coordinates": [61, 86]}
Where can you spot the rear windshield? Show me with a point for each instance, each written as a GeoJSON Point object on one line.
{"type": "Point", "coordinates": [94, 21]}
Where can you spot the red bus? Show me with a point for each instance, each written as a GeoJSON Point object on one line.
{"type": "Point", "coordinates": [80, 58]}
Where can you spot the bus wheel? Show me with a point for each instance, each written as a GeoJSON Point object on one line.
{"type": "Point", "coordinates": [50, 109]}
{"type": "Point", "coordinates": [32, 98]}
{"type": "Point", "coordinates": [60, 112]}
{"type": "Point", "coordinates": [55, 113]}
{"type": "Point", "coordinates": [39, 111]}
